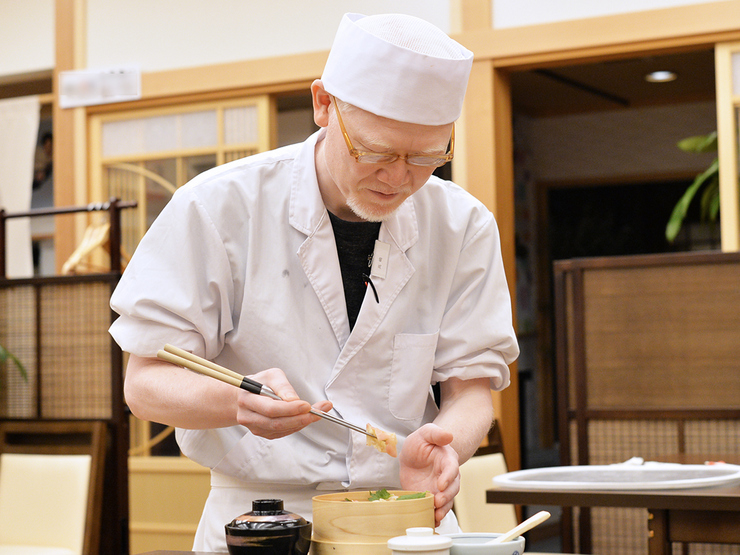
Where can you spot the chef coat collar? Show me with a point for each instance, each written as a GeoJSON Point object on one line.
{"type": "Point", "coordinates": [307, 210]}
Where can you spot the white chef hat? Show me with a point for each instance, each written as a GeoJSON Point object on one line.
{"type": "Point", "coordinates": [399, 67]}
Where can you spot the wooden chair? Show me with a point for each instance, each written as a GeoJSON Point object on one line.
{"type": "Point", "coordinates": [43, 503]}
{"type": "Point", "coordinates": [473, 513]}
{"type": "Point", "coordinates": [75, 448]}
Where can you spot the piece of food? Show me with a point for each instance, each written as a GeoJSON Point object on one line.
{"type": "Point", "coordinates": [383, 441]}
{"type": "Point", "coordinates": [385, 495]}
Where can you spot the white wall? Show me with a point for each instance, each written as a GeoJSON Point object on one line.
{"type": "Point", "coordinates": [26, 36]}
{"type": "Point", "coordinates": [518, 13]}
{"type": "Point", "coordinates": [168, 34]}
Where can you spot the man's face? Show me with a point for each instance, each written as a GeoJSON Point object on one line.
{"type": "Point", "coordinates": [372, 192]}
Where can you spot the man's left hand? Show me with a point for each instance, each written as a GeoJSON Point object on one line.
{"type": "Point", "coordinates": [429, 463]}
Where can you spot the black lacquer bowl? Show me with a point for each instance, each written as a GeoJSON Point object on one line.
{"type": "Point", "coordinates": [268, 530]}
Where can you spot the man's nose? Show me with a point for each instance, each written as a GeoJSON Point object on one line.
{"type": "Point", "coordinates": [395, 173]}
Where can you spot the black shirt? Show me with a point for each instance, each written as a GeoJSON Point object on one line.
{"type": "Point", "coordinates": [355, 245]}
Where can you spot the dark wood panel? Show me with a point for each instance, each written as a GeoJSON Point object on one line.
{"type": "Point", "coordinates": [647, 365]}
{"type": "Point", "coordinates": [706, 527]}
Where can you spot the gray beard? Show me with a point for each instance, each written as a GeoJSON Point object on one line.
{"type": "Point", "coordinates": [365, 214]}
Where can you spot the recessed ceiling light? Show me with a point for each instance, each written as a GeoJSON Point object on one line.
{"type": "Point", "coordinates": [661, 76]}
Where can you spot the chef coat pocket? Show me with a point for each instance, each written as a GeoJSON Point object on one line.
{"type": "Point", "coordinates": [411, 373]}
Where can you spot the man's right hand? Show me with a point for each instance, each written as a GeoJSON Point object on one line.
{"type": "Point", "coordinates": [272, 419]}
{"type": "Point", "coordinates": [162, 392]}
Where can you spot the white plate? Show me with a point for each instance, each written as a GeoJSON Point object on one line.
{"type": "Point", "coordinates": [621, 477]}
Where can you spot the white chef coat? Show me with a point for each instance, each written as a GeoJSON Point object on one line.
{"type": "Point", "coordinates": [241, 268]}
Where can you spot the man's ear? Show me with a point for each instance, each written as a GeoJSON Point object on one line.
{"type": "Point", "coordinates": [321, 102]}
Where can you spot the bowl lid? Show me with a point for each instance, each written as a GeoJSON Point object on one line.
{"type": "Point", "coordinates": [419, 539]}
{"type": "Point", "coordinates": [266, 517]}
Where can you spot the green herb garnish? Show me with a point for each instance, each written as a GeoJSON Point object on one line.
{"type": "Point", "coordinates": [384, 494]}
{"type": "Point", "coordinates": [418, 495]}
{"type": "Point", "coordinates": [380, 494]}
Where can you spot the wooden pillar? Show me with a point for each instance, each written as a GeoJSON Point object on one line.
{"type": "Point", "coordinates": [503, 193]}
{"type": "Point", "coordinates": [727, 129]}
{"type": "Point", "coordinates": [485, 168]}
{"type": "Point", "coordinates": [69, 127]}
{"type": "Point", "coordinates": [468, 15]}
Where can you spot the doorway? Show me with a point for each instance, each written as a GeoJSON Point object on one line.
{"type": "Point", "coordinates": [597, 173]}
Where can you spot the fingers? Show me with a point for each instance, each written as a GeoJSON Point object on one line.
{"type": "Point", "coordinates": [445, 496]}
{"type": "Point", "coordinates": [444, 499]}
{"type": "Point", "coordinates": [323, 406]}
{"type": "Point", "coordinates": [272, 408]}
{"type": "Point", "coordinates": [448, 470]}
{"type": "Point", "coordinates": [436, 435]}
{"type": "Point", "coordinates": [441, 512]}
{"type": "Point", "coordinates": [419, 447]}
{"type": "Point", "coordinates": [275, 379]}
{"type": "Point", "coordinates": [270, 418]}
{"type": "Point", "coordinates": [429, 436]}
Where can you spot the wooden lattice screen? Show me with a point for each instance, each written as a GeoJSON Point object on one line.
{"type": "Point", "coordinates": [648, 366]}
{"type": "Point", "coordinates": [58, 328]}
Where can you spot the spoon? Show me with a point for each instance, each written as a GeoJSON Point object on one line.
{"type": "Point", "coordinates": [517, 531]}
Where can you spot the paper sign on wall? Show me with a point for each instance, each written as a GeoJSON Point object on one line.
{"type": "Point", "coordinates": [88, 87]}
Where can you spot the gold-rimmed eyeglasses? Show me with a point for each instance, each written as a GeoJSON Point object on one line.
{"type": "Point", "coordinates": [364, 157]}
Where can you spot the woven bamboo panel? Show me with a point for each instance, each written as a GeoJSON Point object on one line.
{"type": "Point", "coordinates": [711, 549]}
{"type": "Point", "coordinates": [647, 326]}
{"type": "Point", "coordinates": [17, 335]}
{"type": "Point", "coordinates": [59, 331]}
{"type": "Point", "coordinates": [713, 436]}
{"type": "Point", "coordinates": [619, 531]}
{"type": "Point", "coordinates": [75, 348]}
{"type": "Point", "coordinates": [570, 335]}
{"type": "Point", "coordinates": [615, 441]}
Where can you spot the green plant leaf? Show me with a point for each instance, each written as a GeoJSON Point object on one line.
{"type": "Point", "coordinates": [699, 143]}
{"type": "Point", "coordinates": [5, 355]}
{"type": "Point", "coordinates": [682, 206]}
{"type": "Point", "coordinates": [710, 200]}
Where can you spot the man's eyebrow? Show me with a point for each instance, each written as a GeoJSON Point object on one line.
{"type": "Point", "coordinates": [432, 151]}
{"type": "Point", "coordinates": [375, 143]}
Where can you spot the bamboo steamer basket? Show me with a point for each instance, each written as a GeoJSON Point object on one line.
{"type": "Point", "coordinates": [364, 527]}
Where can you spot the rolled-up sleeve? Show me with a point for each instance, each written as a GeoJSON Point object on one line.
{"type": "Point", "coordinates": [477, 337]}
{"type": "Point", "coordinates": [178, 287]}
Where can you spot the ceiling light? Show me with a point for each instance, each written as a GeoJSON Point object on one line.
{"type": "Point", "coordinates": [661, 76]}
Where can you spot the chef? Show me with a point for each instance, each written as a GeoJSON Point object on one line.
{"type": "Point", "coordinates": [342, 274]}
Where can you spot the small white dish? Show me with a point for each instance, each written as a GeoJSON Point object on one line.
{"type": "Point", "coordinates": [475, 544]}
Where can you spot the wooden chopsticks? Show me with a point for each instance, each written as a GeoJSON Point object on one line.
{"type": "Point", "coordinates": [195, 363]}
{"type": "Point", "coordinates": [175, 355]}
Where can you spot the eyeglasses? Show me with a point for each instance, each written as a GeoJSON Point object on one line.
{"type": "Point", "coordinates": [364, 157]}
